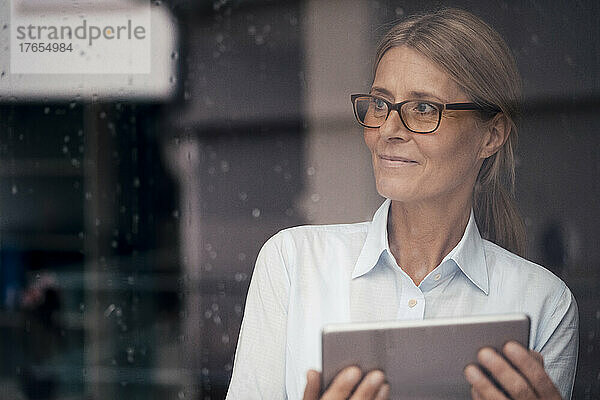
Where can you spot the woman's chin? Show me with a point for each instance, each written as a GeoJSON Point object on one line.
{"type": "Point", "coordinates": [398, 191]}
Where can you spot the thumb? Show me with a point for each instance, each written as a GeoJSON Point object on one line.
{"type": "Point", "coordinates": [313, 385]}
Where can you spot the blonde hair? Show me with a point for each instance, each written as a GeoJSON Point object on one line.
{"type": "Point", "coordinates": [476, 57]}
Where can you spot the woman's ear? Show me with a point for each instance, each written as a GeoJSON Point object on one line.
{"type": "Point", "coordinates": [497, 132]}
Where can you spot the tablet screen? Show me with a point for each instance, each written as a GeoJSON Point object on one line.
{"type": "Point", "coordinates": [421, 359]}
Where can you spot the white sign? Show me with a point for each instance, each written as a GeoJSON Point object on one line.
{"type": "Point", "coordinates": [80, 37]}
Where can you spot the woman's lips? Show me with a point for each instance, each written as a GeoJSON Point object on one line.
{"type": "Point", "coordinates": [396, 161]}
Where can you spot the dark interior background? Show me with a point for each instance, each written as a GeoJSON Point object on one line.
{"type": "Point", "coordinates": [129, 229]}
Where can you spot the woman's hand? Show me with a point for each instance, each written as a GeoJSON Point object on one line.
{"type": "Point", "coordinates": [524, 379]}
{"type": "Point", "coordinates": [372, 386]}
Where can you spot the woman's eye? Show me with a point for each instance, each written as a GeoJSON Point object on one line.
{"type": "Point", "coordinates": [379, 104]}
{"type": "Point", "coordinates": [424, 108]}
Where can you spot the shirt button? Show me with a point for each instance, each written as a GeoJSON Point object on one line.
{"type": "Point", "coordinates": [437, 277]}
{"type": "Point", "coordinates": [412, 303]}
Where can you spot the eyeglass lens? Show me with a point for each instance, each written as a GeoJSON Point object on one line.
{"type": "Point", "coordinates": [418, 116]}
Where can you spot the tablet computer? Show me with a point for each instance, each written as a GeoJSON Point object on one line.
{"type": "Point", "coordinates": [421, 359]}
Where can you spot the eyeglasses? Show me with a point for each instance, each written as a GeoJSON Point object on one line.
{"type": "Point", "coordinates": [419, 116]}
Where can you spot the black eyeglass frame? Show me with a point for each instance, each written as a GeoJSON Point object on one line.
{"type": "Point", "coordinates": [440, 106]}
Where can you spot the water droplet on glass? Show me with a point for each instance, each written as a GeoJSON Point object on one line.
{"type": "Point", "coordinates": [315, 197]}
{"type": "Point", "coordinates": [399, 11]}
{"type": "Point", "coordinates": [224, 166]}
{"type": "Point", "coordinates": [243, 196]}
{"type": "Point", "coordinates": [109, 310]}
{"type": "Point", "coordinates": [256, 213]}
{"type": "Point", "coordinates": [569, 61]}
{"type": "Point", "coordinates": [14, 189]}
{"type": "Point", "coordinates": [46, 110]}
{"type": "Point", "coordinates": [130, 355]}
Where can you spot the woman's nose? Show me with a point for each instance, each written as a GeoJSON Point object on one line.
{"type": "Point", "coordinates": [393, 128]}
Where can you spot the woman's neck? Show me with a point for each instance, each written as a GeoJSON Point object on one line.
{"type": "Point", "coordinates": [421, 235]}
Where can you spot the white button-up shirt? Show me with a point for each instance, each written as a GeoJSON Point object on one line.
{"type": "Point", "coordinates": [309, 276]}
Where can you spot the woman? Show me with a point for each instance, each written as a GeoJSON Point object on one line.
{"type": "Point", "coordinates": [439, 122]}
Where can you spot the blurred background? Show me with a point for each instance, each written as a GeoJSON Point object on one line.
{"type": "Point", "coordinates": [132, 207]}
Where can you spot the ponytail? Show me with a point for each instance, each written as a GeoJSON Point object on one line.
{"type": "Point", "coordinates": [495, 210]}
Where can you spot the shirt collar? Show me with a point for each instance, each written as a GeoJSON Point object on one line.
{"type": "Point", "coordinates": [468, 254]}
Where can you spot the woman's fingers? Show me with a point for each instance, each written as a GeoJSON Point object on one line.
{"type": "Point", "coordinates": [511, 381]}
{"type": "Point", "coordinates": [530, 366]}
{"type": "Point", "coordinates": [484, 388]}
{"type": "Point", "coordinates": [475, 394]}
{"type": "Point", "coordinates": [384, 392]}
{"type": "Point", "coordinates": [522, 376]}
{"type": "Point", "coordinates": [313, 385]}
{"type": "Point", "coordinates": [370, 385]}
{"type": "Point", "coordinates": [343, 384]}
{"type": "Point", "coordinates": [537, 356]}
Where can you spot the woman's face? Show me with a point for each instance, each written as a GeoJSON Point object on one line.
{"type": "Point", "coordinates": [413, 167]}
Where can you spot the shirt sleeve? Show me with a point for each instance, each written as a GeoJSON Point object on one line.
{"type": "Point", "coordinates": [560, 342]}
{"type": "Point", "coordinates": [259, 366]}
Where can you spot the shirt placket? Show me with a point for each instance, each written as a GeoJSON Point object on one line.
{"type": "Point", "coordinates": [411, 305]}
